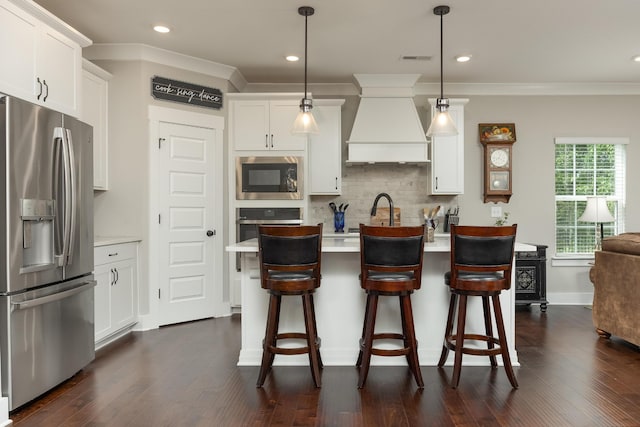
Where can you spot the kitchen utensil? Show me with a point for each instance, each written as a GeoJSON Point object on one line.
{"type": "Point", "coordinates": [340, 207]}
{"type": "Point", "coordinates": [345, 207]}
{"type": "Point", "coordinates": [333, 207]}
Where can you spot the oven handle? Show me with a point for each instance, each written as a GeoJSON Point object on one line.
{"type": "Point", "coordinates": [54, 297]}
{"type": "Point", "coordinates": [270, 221]}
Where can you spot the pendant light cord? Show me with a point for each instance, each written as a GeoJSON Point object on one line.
{"type": "Point", "coordinates": [305, 55]}
{"type": "Point", "coordinates": [441, 61]}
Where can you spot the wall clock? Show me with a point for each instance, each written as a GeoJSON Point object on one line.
{"type": "Point", "coordinates": [497, 140]}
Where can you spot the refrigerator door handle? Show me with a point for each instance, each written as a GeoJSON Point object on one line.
{"type": "Point", "coordinates": [73, 197]}
{"type": "Point", "coordinates": [55, 297]}
{"type": "Point", "coordinates": [61, 139]}
{"type": "Point", "coordinates": [60, 195]}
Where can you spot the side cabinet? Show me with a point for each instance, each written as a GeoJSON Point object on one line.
{"type": "Point", "coordinates": [447, 154]}
{"type": "Point", "coordinates": [94, 111]}
{"type": "Point", "coordinates": [42, 65]}
{"type": "Point", "coordinates": [325, 149]}
{"type": "Point", "coordinates": [116, 302]}
{"type": "Point", "coordinates": [531, 277]}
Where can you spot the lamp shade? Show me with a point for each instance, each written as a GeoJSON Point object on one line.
{"type": "Point", "coordinates": [304, 124]}
{"type": "Point", "coordinates": [596, 211]}
{"type": "Point", "coordinates": [442, 125]}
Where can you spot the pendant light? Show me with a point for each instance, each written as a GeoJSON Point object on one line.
{"type": "Point", "coordinates": [305, 123]}
{"type": "Point", "coordinates": [441, 124]}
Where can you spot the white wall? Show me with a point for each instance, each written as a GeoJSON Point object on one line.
{"type": "Point", "coordinates": [538, 119]}
{"type": "Point", "coordinates": [124, 209]}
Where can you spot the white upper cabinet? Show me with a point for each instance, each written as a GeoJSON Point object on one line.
{"type": "Point", "coordinates": [447, 154]}
{"type": "Point", "coordinates": [40, 64]}
{"type": "Point", "coordinates": [325, 149]}
{"type": "Point", "coordinates": [263, 125]}
{"type": "Point", "coordinates": [94, 111]}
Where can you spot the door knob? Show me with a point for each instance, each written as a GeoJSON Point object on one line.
{"type": "Point", "coordinates": [210, 233]}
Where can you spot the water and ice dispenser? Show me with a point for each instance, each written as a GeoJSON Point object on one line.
{"type": "Point", "coordinates": [38, 218]}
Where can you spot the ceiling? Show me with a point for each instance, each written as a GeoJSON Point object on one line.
{"type": "Point", "coordinates": [541, 41]}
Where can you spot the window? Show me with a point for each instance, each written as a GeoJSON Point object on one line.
{"type": "Point", "coordinates": [587, 167]}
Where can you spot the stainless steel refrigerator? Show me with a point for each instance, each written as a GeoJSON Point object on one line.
{"type": "Point", "coordinates": [46, 248]}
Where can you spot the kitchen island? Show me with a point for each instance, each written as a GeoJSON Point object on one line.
{"type": "Point", "coordinates": [340, 304]}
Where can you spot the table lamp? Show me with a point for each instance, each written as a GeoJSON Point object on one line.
{"type": "Point", "coordinates": [598, 212]}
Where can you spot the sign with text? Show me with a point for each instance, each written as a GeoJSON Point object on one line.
{"type": "Point", "coordinates": [186, 93]}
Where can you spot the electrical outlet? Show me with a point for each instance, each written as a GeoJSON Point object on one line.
{"type": "Point", "coordinates": [496, 211]}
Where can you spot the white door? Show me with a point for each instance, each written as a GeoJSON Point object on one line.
{"type": "Point", "coordinates": [187, 241]}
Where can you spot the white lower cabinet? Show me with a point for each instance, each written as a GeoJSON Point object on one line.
{"type": "Point", "coordinates": [116, 302]}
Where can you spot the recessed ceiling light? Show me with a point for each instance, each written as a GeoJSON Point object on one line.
{"type": "Point", "coordinates": [636, 58]}
{"type": "Point", "coordinates": [463, 58]}
{"type": "Point", "coordinates": [161, 29]}
{"type": "Point", "coordinates": [292, 58]}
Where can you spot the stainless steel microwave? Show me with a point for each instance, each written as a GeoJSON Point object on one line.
{"type": "Point", "coordinates": [269, 178]}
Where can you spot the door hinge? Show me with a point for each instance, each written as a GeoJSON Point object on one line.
{"type": "Point", "coordinates": [160, 141]}
{"type": "Point", "coordinates": [158, 218]}
{"type": "Point", "coordinates": [158, 293]}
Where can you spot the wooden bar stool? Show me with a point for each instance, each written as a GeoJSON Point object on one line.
{"type": "Point", "coordinates": [481, 263]}
{"type": "Point", "coordinates": [390, 265]}
{"type": "Point", "coordinates": [290, 265]}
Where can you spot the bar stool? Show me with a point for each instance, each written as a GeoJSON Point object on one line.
{"type": "Point", "coordinates": [481, 263]}
{"type": "Point", "coordinates": [390, 265]}
{"type": "Point", "coordinates": [290, 265]}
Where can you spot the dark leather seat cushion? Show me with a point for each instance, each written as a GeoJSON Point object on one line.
{"type": "Point", "coordinates": [391, 277]}
{"type": "Point", "coordinates": [480, 277]}
{"type": "Point", "coordinates": [290, 275]}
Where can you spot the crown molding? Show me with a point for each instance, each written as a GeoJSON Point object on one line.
{"type": "Point", "coordinates": [142, 52]}
{"type": "Point", "coordinates": [529, 89]}
{"type": "Point", "coordinates": [317, 89]}
{"type": "Point", "coordinates": [53, 21]}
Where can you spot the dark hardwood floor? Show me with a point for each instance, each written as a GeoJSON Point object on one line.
{"type": "Point", "coordinates": [186, 375]}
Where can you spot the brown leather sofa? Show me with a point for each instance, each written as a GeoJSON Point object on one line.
{"type": "Point", "coordinates": [616, 279]}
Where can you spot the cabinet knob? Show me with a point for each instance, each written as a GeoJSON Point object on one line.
{"type": "Point", "coordinates": [210, 233]}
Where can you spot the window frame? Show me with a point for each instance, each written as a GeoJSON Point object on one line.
{"type": "Point", "coordinates": [619, 197]}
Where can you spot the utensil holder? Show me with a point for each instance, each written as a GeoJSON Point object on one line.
{"type": "Point", "coordinates": [338, 222]}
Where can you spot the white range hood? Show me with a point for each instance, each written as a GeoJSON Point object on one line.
{"type": "Point", "coordinates": [387, 128]}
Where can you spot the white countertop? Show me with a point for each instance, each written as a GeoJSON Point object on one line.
{"type": "Point", "coordinates": [114, 240]}
{"type": "Point", "coordinates": [351, 243]}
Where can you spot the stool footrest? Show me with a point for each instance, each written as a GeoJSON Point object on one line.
{"type": "Point", "coordinates": [291, 350]}
{"type": "Point", "coordinates": [451, 340]}
{"type": "Point", "coordinates": [387, 352]}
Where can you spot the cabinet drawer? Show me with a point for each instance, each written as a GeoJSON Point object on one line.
{"type": "Point", "coordinates": [113, 253]}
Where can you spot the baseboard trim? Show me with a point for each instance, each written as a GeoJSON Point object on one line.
{"type": "Point", "coordinates": [570, 298]}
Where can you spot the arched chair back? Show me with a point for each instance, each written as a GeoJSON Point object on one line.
{"type": "Point", "coordinates": [390, 265]}
{"type": "Point", "coordinates": [290, 264]}
{"type": "Point", "coordinates": [481, 265]}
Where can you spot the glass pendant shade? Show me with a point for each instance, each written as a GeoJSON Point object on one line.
{"type": "Point", "coordinates": [305, 123]}
{"type": "Point", "coordinates": [442, 124]}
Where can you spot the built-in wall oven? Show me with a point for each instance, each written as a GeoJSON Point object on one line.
{"type": "Point", "coordinates": [269, 178]}
{"type": "Point", "coordinates": [248, 219]}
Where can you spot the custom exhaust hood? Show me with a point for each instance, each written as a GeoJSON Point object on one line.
{"type": "Point", "coordinates": [387, 127]}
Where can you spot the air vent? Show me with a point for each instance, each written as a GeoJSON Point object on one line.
{"type": "Point", "coordinates": [415, 58]}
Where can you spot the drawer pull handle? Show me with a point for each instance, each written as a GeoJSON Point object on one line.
{"type": "Point", "coordinates": [114, 254]}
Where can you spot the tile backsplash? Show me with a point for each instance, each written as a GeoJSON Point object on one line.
{"type": "Point", "coordinates": [406, 184]}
